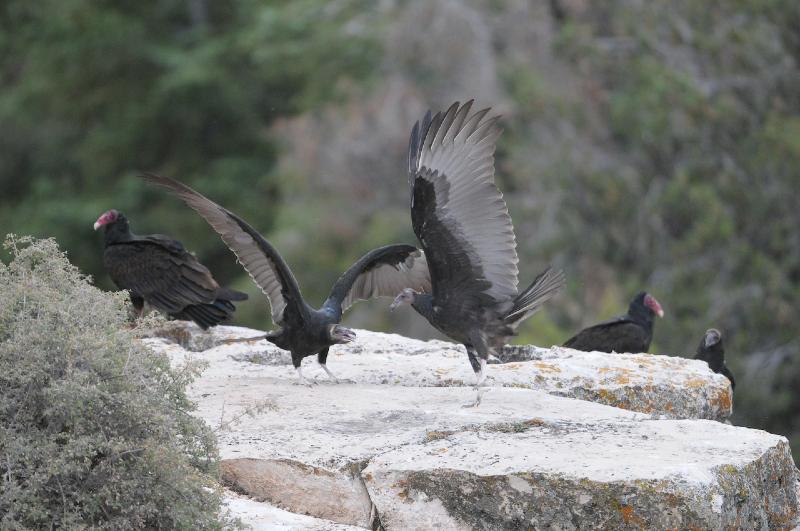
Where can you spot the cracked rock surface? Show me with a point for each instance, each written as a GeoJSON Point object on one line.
{"type": "Point", "coordinates": [546, 449]}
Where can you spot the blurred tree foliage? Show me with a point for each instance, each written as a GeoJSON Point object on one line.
{"type": "Point", "coordinates": [92, 92]}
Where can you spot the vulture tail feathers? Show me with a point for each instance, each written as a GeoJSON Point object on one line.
{"type": "Point", "coordinates": [231, 295]}
{"type": "Point", "coordinates": [542, 289]}
{"type": "Point", "coordinates": [207, 315]}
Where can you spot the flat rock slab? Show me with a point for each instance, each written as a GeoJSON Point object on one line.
{"type": "Point", "coordinates": [627, 475]}
{"type": "Point", "coordinates": [403, 451]}
{"type": "Point", "coordinates": [259, 516]}
{"type": "Point", "coordinates": [672, 387]}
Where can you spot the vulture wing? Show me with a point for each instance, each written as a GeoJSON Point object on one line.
{"type": "Point", "coordinates": [259, 258]}
{"type": "Point", "coordinates": [382, 272]}
{"type": "Point", "coordinates": [457, 212]}
{"type": "Point", "coordinates": [617, 335]}
{"type": "Point", "coordinates": [162, 272]}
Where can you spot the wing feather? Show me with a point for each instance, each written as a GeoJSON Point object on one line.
{"type": "Point", "coordinates": [382, 272]}
{"type": "Point", "coordinates": [458, 213]}
{"type": "Point", "coordinates": [258, 257]}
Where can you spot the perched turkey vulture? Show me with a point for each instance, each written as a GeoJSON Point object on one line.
{"type": "Point", "coordinates": [630, 333]}
{"type": "Point", "coordinates": [462, 221]}
{"type": "Point", "coordinates": [158, 270]}
{"type": "Point", "coordinates": [305, 331]}
{"type": "Point", "coordinates": [712, 352]}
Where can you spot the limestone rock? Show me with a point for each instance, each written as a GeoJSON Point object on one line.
{"type": "Point", "coordinates": [397, 448]}
{"type": "Point", "coordinates": [260, 516]}
{"type": "Point", "coordinates": [641, 475]}
{"type": "Point", "coordinates": [669, 386]}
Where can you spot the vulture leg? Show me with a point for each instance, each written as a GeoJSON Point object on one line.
{"type": "Point", "coordinates": [322, 357]}
{"type": "Point", "coordinates": [138, 308]}
{"type": "Point", "coordinates": [473, 359]}
{"type": "Point", "coordinates": [478, 340]}
{"type": "Point", "coordinates": [297, 361]}
{"type": "Point", "coordinates": [478, 364]}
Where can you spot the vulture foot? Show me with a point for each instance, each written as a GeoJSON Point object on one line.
{"type": "Point", "coordinates": [478, 397]}
{"type": "Point", "coordinates": [332, 376]}
{"type": "Point", "coordinates": [302, 379]}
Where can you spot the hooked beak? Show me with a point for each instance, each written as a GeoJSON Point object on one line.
{"type": "Point", "coordinates": [654, 305]}
{"type": "Point", "coordinates": [712, 338]}
{"type": "Point", "coordinates": [397, 302]}
{"type": "Point", "coordinates": [348, 336]}
{"type": "Point", "coordinates": [97, 225]}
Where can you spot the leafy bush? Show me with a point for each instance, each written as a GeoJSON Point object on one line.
{"type": "Point", "coordinates": [95, 429]}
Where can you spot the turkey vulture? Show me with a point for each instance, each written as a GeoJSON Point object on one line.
{"type": "Point", "coordinates": [158, 270]}
{"type": "Point", "coordinates": [305, 331]}
{"type": "Point", "coordinates": [462, 221]}
{"type": "Point", "coordinates": [712, 352]}
{"type": "Point", "coordinates": [630, 333]}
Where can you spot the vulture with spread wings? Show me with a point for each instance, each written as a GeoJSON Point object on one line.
{"type": "Point", "coordinates": [158, 270]}
{"type": "Point", "coordinates": [462, 221]}
{"type": "Point", "coordinates": [631, 332]}
{"type": "Point", "coordinates": [303, 330]}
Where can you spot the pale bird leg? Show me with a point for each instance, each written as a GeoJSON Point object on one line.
{"type": "Point", "coordinates": [334, 379]}
{"type": "Point", "coordinates": [302, 380]}
{"type": "Point", "coordinates": [480, 391]}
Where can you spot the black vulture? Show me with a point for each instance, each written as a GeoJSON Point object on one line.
{"type": "Point", "coordinates": [629, 333]}
{"type": "Point", "coordinates": [712, 352]}
{"type": "Point", "coordinates": [462, 221]}
{"type": "Point", "coordinates": [159, 271]}
{"type": "Point", "coordinates": [305, 331]}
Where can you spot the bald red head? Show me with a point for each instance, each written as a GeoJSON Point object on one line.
{"type": "Point", "coordinates": [110, 216]}
{"type": "Point", "coordinates": [653, 304]}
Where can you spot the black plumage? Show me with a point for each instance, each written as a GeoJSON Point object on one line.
{"type": "Point", "coordinates": [305, 331]}
{"type": "Point", "coordinates": [462, 221]}
{"type": "Point", "coordinates": [712, 352]}
{"type": "Point", "coordinates": [631, 332]}
{"type": "Point", "coordinates": [158, 270]}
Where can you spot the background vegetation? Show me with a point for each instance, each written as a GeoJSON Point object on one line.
{"type": "Point", "coordinates": [95, 428]}
{"type": "Point", "coordinates": [648, 145]}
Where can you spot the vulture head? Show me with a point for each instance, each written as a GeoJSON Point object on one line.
{"type": "Point", "coordinates": [111, 217]}
{"type": "Point", "coordinates": [645, 301]}
{"type": "Point", "coordinates": [407, 296]}
{"type": "Point", "coordinates": [712, 337]}
{"type": "Point", "coordinates": [341, 334]}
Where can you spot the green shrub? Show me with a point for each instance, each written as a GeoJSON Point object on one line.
{"type": "Point", "coordinates": [95, 429]}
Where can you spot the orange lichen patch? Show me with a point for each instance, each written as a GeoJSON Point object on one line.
{"type": "Point", "coordinates": [784, 520]}
{"type": "Point", "coordinates": [603, 370]}
{"type": "Point", "coordinates": [546, 367]}
{"type": "Point", "coordinates": [402, 487]}
{"type": "Point", "coordinates": [605, 396]}
{"type": "Point", "coordinates": [668, 406]}
{"type": "Point", "coordinates": [722, 400]}
{"type": "Point", "coordinates": [535, 422]}
{"type": "Point", "coordinates": [622, 379]}
{"type": "Point", "coordinates": [629, 517]}
{"type": "Point", "coordinates": [440, 372]}
{"type": "Point", "coordinates": [696, 382]}
{"type": "Point", "coordinates": [508, 366]}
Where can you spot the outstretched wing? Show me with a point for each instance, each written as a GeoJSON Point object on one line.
{"type": "Point", "coordinates": [259, 258]}
{"type": "Point", "coordinates": [167, 277]}
{"type": "Point", "coordinates": [382, 272]}
{"type": "Point", "coordinates": [457, 212]}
